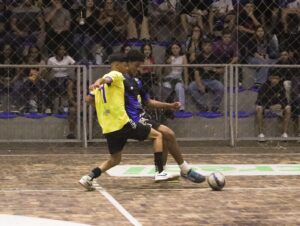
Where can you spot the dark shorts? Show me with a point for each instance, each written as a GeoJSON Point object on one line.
{"type": "Point", "coordinates": [117, 140]}
{"type": "Point", "coordinates": [150, 122]}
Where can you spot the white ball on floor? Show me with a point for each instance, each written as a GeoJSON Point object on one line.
{"type": "Point", "coordinates": [216, 181]}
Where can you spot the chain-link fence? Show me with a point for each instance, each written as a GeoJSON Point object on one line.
{"type": "Point", "coordinates": [243, 32]}
{"type": "Point", "coordinates": [41, 103]}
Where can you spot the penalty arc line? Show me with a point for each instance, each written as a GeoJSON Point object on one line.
{"type": "Point", "coordinates": [116, 204]}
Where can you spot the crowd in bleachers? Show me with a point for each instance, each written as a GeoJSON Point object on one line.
{"type": "Point", "coordinates": [66, 32]}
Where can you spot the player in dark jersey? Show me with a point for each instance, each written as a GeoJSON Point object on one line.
{"type": "Point", "coordinates": [136, 97]}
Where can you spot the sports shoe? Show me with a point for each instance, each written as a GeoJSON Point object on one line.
{"type": "Point", "coordinates": [164, 176]}
{"type": "Point", "coordinates": [87, 183]}
{"type": "Point", "coordinates": [194, 176]}
{"type": "Point", "coordinates": [261, 137]}
{"type": "Point", "coordinates": [284, 135]}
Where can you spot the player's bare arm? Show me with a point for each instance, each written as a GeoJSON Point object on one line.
{"type": "Point", "coordinates": [163, 105]}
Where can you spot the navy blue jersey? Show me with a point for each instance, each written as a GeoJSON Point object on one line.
{"type": "Point", "coordinates": [135, 96]}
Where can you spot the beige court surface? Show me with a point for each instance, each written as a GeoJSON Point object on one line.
{"type": "Point", "coordinates": [42, 182]}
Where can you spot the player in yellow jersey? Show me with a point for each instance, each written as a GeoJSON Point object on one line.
{"type": "Point", "coordinates": [108, 98]}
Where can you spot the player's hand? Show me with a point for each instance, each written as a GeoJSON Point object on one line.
{"type": "Point", "coordinates": [175, 106]}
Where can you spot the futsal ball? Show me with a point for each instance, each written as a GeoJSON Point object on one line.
{"type": "Point", "coordinates": [216, 181]}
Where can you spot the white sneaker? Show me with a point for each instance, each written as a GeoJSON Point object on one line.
{"type": "Point", "coordinates": [284, 135]}
{"type": "Point", "coordinates": [164, 176]}
{"type": "Point", "coordinates": [48, 111]}
{"type": "Point", "coordinates": [87, 183]}
{"type": "Point", "coordinates": [261, 137]}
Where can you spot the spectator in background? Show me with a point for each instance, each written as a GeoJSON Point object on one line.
{"type": "Point", "coordinates": [28, 26]}
{"type": "Point", "coordinates": [147, 74]}
{"type": "Point", "coordinates": [61, 81]}
{"type": "Point", "coordinates": [271, 96]}
{"type": "Point", "coordinates": [193, 44]}
{"type": "Point", "coordinates": [58, 20]}
{"type": "Point", "coordinates": [193, 12]}
{"type": "Point", "coordinates": [286, 73]}
{"type": "Point", "coordinates": [4, 24]}
{"type": "Point", "coordinates": [111, 25]}
{"type": "Point", "coordinates": [138, 15]}
{"type": "Point", "coordinates": [10, 78]}
{"type": "Point", "coordinates": [219, 12]}
{"type": "Point", "coordinates": [85, 30]}
{"type": "Point", "coordinates": [177, 79]}
{"type": "Point", "coordinates": [125, 48]}
{"type": "Point", "coordinates": [247, 24]}
{"type": "Point", "coordinates": [226, 48]}
{"type": "Point", "coordinates": [289, 7]}
{"type": "Point", "coordinates": [208, 79]}
{"type": "Point", "coordinates": [259, 50]}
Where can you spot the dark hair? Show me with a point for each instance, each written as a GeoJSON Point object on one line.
{"type": "Point", "coordinates": [39, 57]}
{"type": "Point", "coordinates": [124, 47]}
{"type": "Point", "coordinates": [169, 49]}
{"type": "Point", "coordinates": [117, 57]}
{"type": "Point", "coordinates": [135, 55]}
{"type": "Point", "coordinates": [226, 31]}
{"type": "Point", "coordinates": [274, 72]}
{"type": "Point", "coordinates": [147, 44]}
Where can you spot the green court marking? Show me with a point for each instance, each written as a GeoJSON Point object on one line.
{"type": "Point", "coordinates": [206, 169]}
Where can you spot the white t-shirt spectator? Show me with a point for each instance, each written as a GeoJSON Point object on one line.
{"type": "Point", "coordinates": [223, 6]}
{"type": "Point", "coordinates": [60, 72]}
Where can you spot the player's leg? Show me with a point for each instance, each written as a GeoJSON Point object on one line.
{"type": "Point", "coordinates": [116, 143]}
{"type": "Point", "coordinates": [286, 119]}
{"type": "Point", "coordinates": [171, 146]}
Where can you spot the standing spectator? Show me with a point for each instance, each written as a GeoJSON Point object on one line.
{"type": "Point", "coordinates": [226, 48]}
{"type": "Point", "coordinates": [207, 79]}
{"type": "Point", "coordinates": [61, 81]}
{"type": "Point", "coordinates": [271, 96]}
{"type": "Point", "coordinates": [4, 24]}
{"type": "Point", "coordinates": [28, 26]}
{"type": "Point", "coordinates": [259, 53]}
{"type": "Point", "coordinates": [138, 15]}
{"type": "Point", "coordinates": [10, 79]}
{"type": "Point", "coordinates": [111, 25]}
{"type": "Point", "coordinates": [193, 44]}
{"type": "Point", "coordinates": [58, 20]}
{"type": "Point", "coordinates": [85, 30]}
{"type": "Point", "coordinates": [173, 80]}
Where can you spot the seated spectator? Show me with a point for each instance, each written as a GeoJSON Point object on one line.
{"type": "Point", "coordinates": [219, 12]}
{"type": "Point", "coordinates": [5, 36]}
{"type": "Point", "coordinates": [271, 96]}
{"type": "Point", "coordinates": [60, 80]}
{"type": "Point", "coordinates": [193, 44]}
{"type": "Point", "coordinates": [247, 24]}
{"type": "Point", "coordinates": [208, 79]}
{"type": "Point", "coordinates": [147, 74]}
{"type": "Point", "coordinates": [27, 25]}
{"type": "Point", "coordinates": [125, 48]}
{"type": "Point", "coordinates": [286, 73]}
{"type": "Point", "coordinates": [173, 80]}
{"type": "Point", "coordinates": [33, 91]}
{"type": "Point", "coordinates": [227, 48]}
{"type": "Point", "coordinates": [289, 7]}
{"type": "Point", "coordinates": [192, 13]}
{"type": "Point", "coordinates": [138, 16]}
{"type": "Point", "coordinates": [10, 78]}
{"type": "Point", "coordinates": [111, 25]}
{"type": "Point", "coordinates": [259, 50]}
{"type": "Point", "coordinates": [85, 30]}
{"type": "Point", "coordinates": [58, 20]}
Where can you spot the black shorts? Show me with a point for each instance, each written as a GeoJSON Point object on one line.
{"type": "Point", "coordinates": [117, 140]}
{"type": "Point", "coordinates": [150, 122]}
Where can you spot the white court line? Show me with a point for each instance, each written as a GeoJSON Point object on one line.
{"type": "Point", "coordinates": [117, 205]}
{"type": "Point", "coordinates": [139, 154]}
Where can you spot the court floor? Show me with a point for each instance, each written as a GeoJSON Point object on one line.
{"type": "Point", "coordinates": [42, 183]}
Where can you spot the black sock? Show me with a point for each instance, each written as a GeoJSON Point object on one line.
{"type": "Point", "coordinates": [95, 173]}
{"type": "Point", "coordinates": [158, 161]}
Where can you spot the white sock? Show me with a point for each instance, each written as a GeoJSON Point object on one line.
{"type": "Point", "coordinates": [185, 167]}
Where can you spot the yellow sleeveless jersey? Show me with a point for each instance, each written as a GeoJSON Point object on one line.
{"type": "Point", "coordinates": [110, 103]}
